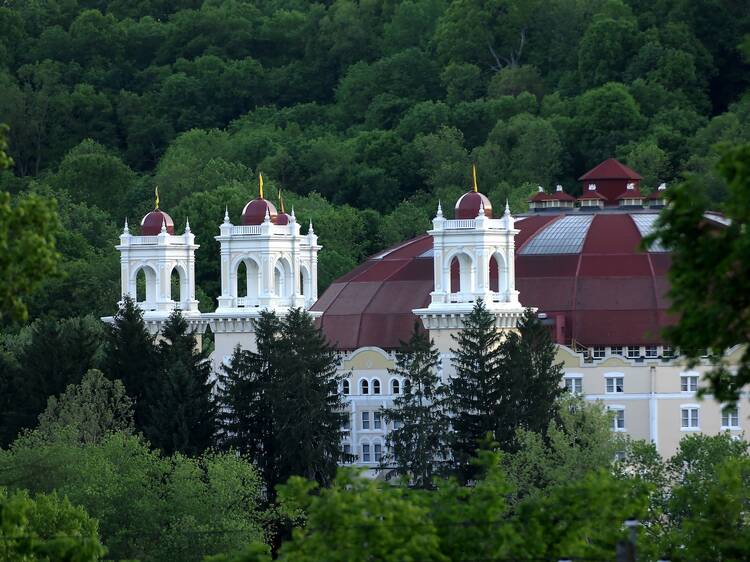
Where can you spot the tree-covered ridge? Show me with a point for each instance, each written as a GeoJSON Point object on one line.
{"type": "Point", "coordinates": [365, 112]}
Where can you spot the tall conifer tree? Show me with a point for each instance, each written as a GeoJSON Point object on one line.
{"type": "Point", "coordinates": [530, 381]}
{"type": "Point", "coordinates": [131, 357]}
{"type": "Point", "coordinates": [503, 382]}
{"type": "Point", "coordinates": [475, 391]}
{"type": "Point", "coordinates": [280, 405]}
{"type": "Point", "coordinates": [417, 446]}
{"type": "Point", "coordinates": [182, 411]}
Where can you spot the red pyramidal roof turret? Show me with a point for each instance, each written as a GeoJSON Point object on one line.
{"type": "Point", "coordinates": [611, 178]}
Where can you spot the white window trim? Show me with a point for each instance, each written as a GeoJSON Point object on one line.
{"type": "Point", "coordinates": [359, 386]}
{"type": "Point", "coordinates": [690, 407]}
{"type": "Point", "coordinates": [617, 408]}
{"type": "Point", "coordinates": [690, 374]}
{"type": "Point", "coordinates": [573, 376]}
{"type": "Point", "coordinates": [372, 387]}
{"type": "Point", "coordinates": [390, 386]}
{"type": "Point", "coordinates": [731, 427]}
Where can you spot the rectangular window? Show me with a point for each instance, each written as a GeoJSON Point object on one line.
{"type": "Point", "coordinates": [377, 420]}
{"type": "Point", "coordinates": [690, 418]}
{"type": "Point", "coordinates": [396, 424]}
{"type": "Point", "coordinates": [634, 351]}
{"type": "Point", "coordinates": [688, 383]}
{"type": "Point", "coordinates": [618, 422]}
{"type": "Point", "coordinates": [615, 385]}
{"type": "Point", "coordinates": [667, 351]}
{"type": "Point", "coordinates": [730, 418]}
{"type": "Point", "coordinates": [620, 456]}
{"type": "Point", "coordinates": [347, 449]}
{"type": "Point", "coordinates": [616, 350]}
{"type": "Point", "coordinates": [651, 351]}
{"type": "Point", "coordinates": [347, 424]}
{"type": "Point", "coordinates": [378, 452]}
{"type": "Point", "coordinates": [574, 385]}
{"type": "Point", "coordinates": [365, 420]}
{"type": "Point", "coordinates": [365, 452]}
{"type": "Point", "coordinates": [599, 352]}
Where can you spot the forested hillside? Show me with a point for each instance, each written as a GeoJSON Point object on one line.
{"type": "Point", "coordinates": [364, 112]}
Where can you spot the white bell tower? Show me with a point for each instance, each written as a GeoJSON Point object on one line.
{"type": "Point", "coordinates": [266, 264]}
{"type": "Point", "coordinates": [152, 259]}
{"type": "Point", "coordinates": [473, 258]}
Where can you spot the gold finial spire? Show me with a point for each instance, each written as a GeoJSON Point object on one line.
{"type": "Point", "coordinates": [281, 201]}
{"type": "Point", "coordinates": [156, 193]}
{"type": "Point", "coordinates": [260, 183]}
{"type": "Point", "coordinates": [474, 176]}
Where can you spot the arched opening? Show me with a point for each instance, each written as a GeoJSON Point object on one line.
{"type": "Point", "coordinates": [140, 286]}
{"type": "Point", "coordinates": [282, 280]}
{"type": "Point", "coordinates": [498, 274]}
{"type": "Point", "coordinates": [364, 387]}
{"type": "Point", "coordinates": [395, 386]}
{"type": "Point", "coordinates": [305, 288]}
{"type": "Point", "coordinates": [143, 285]}
{"type": "Point", "coordinates": [248, 283]}
{"type": "Point", "coordinates": [460, 273]}
{"type": "Point", "coordinates": [345, 387]}
{"type": "Point", "coordinates": [242, 280]}
{"type": "Point", "coordinates": [375, 386]}
{"type": "Point", "coordinates": [178, 289]}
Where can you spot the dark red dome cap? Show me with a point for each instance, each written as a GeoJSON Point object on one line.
{"type": "Point", "coordinates": [467, 206]}
{"type": "Point", "coordinates": [152, 223]}
{"type": "Point", "coordinates": [283, 218]}
{"type": "Point", "coordinates": [255, 212]}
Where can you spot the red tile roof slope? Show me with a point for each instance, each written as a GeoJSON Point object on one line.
{"type": "Point", "coordinates": [611, 293]}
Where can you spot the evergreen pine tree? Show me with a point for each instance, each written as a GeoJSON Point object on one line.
{"type": "Point", "coordinates": [503, 382]}
{"type": "Point", "coordinates": [182, 412]}
{"type": "Point", "coordinates": [280, 405]}
{"type": "Point", "coordinates": [246, 422]}
{"type": "Point", "coordinates": [475, 390]}
{"type": "Point", "coordinates": [530, 381]}
{"type": "Point", "coordinates": [131, 357]}
{"type": "Point", "coordinates": [48, 356]}
{"type": "Point", "coordinates": [310, 413]}
{"type": "Point", "coordinates": [417, 445]}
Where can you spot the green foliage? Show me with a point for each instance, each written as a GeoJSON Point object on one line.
{"type": "Point", "coordinates": [46, 528]}
{"type": "Point", "coordinates": [91, 409]}
{"type": "Point", "coordinates": [41, 362]}
{"type": "Point", "coordinates": [579, 441]}
{"type": "Point", "coordinates": [27, 250]}
{"type": "Point", "coordinates": [709, 272]}
{"type": "Point", "coordinates": [149, 507]}
{"type": "Point", "coordinates": [280, 405]}
{"type": "Point", "coordinates": [501, 385]}
{"type": "Point", "coordinates": [417, 444]}
{"type": "Point", "coordinates": [182, 413]}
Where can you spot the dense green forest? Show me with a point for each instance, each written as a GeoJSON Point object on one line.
{"type": "Point", "coordinates": [364, 112]}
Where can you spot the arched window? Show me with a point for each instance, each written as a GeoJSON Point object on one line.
{"type": "Point", "coordinates": [364, 387]}
{"type": "Point", "coordinates": [375, 386]}
{"type": "Point", "coordinates": [140, 286]}
{"type": "Point", "coordinates": [345, 386]}
{"type": "Point", "coordinates": [366, 452]}
{"type": "Point", "coordinates": [407, 385]}
{"type": "Point", "coordinates": [498, 274]}
{"type": "Point", "coordinates": [395, 386]}
{"type": "Point", "coordinates": [175, 285]}
{"type": "Point", "coordinates": [460, 273]}
{"type": "Point", "coordinates": [242, 277]}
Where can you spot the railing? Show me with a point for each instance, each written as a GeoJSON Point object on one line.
{"type": "Point", "coordinates": [147, 305]}
{"type": "Point", "coordinates": [460, 224]}
{"type": "Point", "coordinates": [143, 240]}
{"type": "Point", "coordinates": [248, 229]}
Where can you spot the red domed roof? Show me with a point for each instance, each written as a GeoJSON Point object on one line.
{"type": "Point", "coordinates": [255, 211]}
{"type": "Point", "coordinates": [467, 206]}
{"type": "Point", "coordinates": [283, 218]}
{"type": "Point", "coordinates": [151, 224]}
{"type": "Point", "coordinates": [586, 271]}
